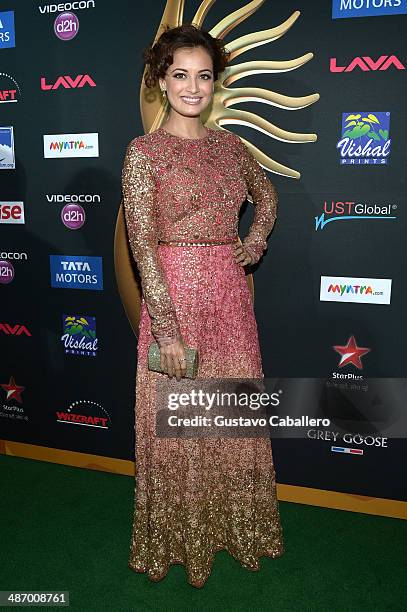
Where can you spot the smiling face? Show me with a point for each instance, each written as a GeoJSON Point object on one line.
{"type": "Point", "coordinates": [189, 81]}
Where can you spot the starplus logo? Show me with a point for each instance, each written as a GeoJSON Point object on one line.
{"type": "Point", "coordinates": [351, 353]}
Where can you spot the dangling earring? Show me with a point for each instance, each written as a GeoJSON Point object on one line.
{"type": "Point", "coordinates": [164, 92]}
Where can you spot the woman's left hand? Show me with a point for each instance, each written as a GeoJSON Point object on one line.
{"type": "Point", "coordinates": [242, 256]}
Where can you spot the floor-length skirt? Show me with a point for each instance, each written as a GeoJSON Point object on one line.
{"type": "Point", "coordinates": [195, 496]}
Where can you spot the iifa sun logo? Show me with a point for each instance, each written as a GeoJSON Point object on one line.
{"type": "Point", "coordinates": [365, 138]}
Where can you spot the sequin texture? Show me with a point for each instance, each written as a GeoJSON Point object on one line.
{"type": "Point", "coordinates": [196, 496]}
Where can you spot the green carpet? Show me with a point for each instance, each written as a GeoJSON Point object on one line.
{"type": "Point", "coordinates": [66, 528]}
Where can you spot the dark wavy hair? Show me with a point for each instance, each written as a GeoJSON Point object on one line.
{"type": "Point", "coordinates": [159, 55]}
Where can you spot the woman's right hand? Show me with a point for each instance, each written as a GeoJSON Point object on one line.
{"type": "Point", "coordinates": [172, 359]}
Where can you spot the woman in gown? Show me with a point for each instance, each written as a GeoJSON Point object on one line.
{"type": "Point", "coordinates": [184, 184]}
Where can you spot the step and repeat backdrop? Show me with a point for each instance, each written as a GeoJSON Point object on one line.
{"type": "Point", "coordinates": [330, 293]}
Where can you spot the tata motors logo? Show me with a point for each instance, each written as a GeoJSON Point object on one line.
{"type": "Point", "coordinates": [367, 8]}
{"type": "Point", "coordinates": [358, 290]}
{"type": "Point", "coordinates": [12, 213]}
{"type": "Point", "coordinates": [58, 146]}
{"type": "Point", "coordinates": [76, 272]}
{"type": "Point", "coordinates": [347, 210]}
{"type": "Point", "coordinates": [7, 33]}
{"type": "Point", "coordinates": [7, 158]}
{"type": "Point", "coordinates": [364, 138]}
{"type": "Point", "coordinates": [366, 64]}
{"type": "Point", "coordinates": [9, 89]}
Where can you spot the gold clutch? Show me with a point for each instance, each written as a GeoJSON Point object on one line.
{"type": "Point", "coordinates": [191, 356]}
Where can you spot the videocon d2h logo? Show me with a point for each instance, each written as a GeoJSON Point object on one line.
{"type": "Point", "coordinates": [365, 138]}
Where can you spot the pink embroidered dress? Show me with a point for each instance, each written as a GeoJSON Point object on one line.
{"type": "Point", "coordinates": [196, 496]}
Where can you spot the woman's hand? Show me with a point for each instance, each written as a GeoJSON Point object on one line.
{"type": "Point", "coordinates": [242, 256]}
{"type": "Point", "coordinates": [172, 359]}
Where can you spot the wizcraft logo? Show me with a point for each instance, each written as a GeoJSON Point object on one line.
{"type": "Point", "coordinates": [367, 64]}
{"type": "Point", "coordinates": [9, 89]}
{"type": "Point", "coordinates": [67, 82]}
{"type": "Point", "coordinates": [346, 210]}
{"type": "Point", "coordinates": [364, 138]}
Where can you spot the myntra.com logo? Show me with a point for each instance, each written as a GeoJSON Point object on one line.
{"type": "Point", "coordinates": [359, 290]}
{"type": "Point", "coordinates": [71, 145]}
{"type": "Point", "coordinates": [367, 64]}
{"type": "Point", "coordinates": [338, 210]}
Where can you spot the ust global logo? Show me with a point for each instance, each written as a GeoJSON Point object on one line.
{"type": "Point", "coordinates": [347, 210]}
{"type": "Point", "coordinates": [9, 89]}
{"type": "Point", "coordinates": [358, 290]}
{"type": "Point", "coordinates": [7, 157]}
{"type": "Point", "coordinates": [79, 335]}
{"type": "Point", "coordinates": [76, 272]}
{"type": "Point", "coordinates": [7, 33]}
{"type": "Point", "coordinates": [364, 138]}
{"type": "Point", "coordinates": [366, 64]}
{"type": "Point", "coordinates": [58, 146]}
{"type": "Point", "coordinates": [67, 82]}
{"type": "Point", "coordinates": [367, 8]}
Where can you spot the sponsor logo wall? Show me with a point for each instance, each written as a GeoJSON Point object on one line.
{"type": "Point", "coordinates": [329, 295]}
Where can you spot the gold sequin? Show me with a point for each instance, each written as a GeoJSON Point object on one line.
{"type": "Point", "coordinates": [194, 497]}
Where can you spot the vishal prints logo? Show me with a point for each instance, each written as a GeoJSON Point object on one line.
{"type": "Point", "coordinates": [348, 210]}
{"type": "Point", "coordinates": [9, 89]}
{"type": "Point", "coordinates": [364, 138]}
{"type": "Point", "coordinates": [57, 146]}
{"type": "Point", "coordinates": [366, 64]}
{"type": "Point", "coordinates": [79, 335]}
{"type": "Point", "coordinates": [358, 290]}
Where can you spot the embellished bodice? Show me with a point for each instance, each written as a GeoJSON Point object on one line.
{"type": "Point", "coordinates": [178, 188]}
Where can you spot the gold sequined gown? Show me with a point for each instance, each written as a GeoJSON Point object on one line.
{"type": "Point", "coordinates": [194, 497]}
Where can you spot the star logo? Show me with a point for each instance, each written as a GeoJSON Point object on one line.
{"type": "Point", "coordinates": [13, 390]}
{"type": "Point", "coordinates": [351, 353]}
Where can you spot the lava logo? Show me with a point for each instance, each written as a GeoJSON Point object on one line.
{"type": "Point", "coordinates": [358, 290]}
{"type": "Point", "coordinates": [13, 391]}
{"type": "Point", "coordinates": [7, 157]}
{"type": "Point", "coordinates": [366, 64]}
{"type": "Point", "coordinates": [367, 8]}
{"type": "Point", "coordinates": [364, 138]}
{"type": "Point", "coordinates": [58, 146]}
{"type": "Point", "coordinates": [351, 353]}
{"type": "Point", "coordinates": [75, 271]}
{"type": "Point", "coordinates": [14, 330]}
{"type": "Point", "coordinates": [79, 335]}
{"type": "Point", "coordinates": [9, 89]}
{"type": "Point", "coordinates": [12, 212]}
{"type": "Point", "coordinates": [7, 33]}
{"type": "Point", "coordinates": [346, 210]}
{"type": "Point", "coordinates": [68, 82]}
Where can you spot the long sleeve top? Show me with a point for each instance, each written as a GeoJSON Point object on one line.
{"type": "Point", "coordinates": [178, 188]}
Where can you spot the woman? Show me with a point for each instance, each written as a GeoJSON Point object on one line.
{"type": "Point", "coordinates": [183, 186]}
